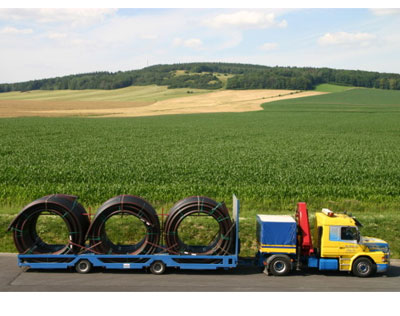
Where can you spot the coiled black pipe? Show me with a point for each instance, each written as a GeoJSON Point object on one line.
{"type": "Point", "coordinates": [222, 244]}
{"type": "Point", "coordinates": [129, 205]}
{"type": "Point", "coordinates": [28, 241]}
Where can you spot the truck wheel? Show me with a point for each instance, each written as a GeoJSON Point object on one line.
{"type": "Point", "coordinates": [363, 267]}
{"type": "Point", "coordinates": [158, 267]}
{"type": "Point", "coordinates": [280, 266]}
{"type": "Point", "coordinates": [83, 266]}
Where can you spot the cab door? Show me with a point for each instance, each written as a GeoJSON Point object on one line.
{"type": "Point", "coordinates": [339, 242]}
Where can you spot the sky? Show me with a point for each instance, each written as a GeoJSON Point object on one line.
{"type": "Point", "coordinates": [43, 43]}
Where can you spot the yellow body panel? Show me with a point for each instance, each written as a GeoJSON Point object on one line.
{"type": "Point", "coordinates": [277, 248]}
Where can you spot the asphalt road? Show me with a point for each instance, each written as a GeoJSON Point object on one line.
{"type": "Point", "coordinates": [243, 278]}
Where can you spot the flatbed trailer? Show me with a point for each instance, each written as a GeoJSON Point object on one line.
{"type": "Point", "coordinates": [129, 262]}
{"type": "Point", "coordinates": [157, 263]}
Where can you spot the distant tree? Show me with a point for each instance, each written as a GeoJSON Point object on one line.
{"type": "Point", "coordinates": [200, 75]}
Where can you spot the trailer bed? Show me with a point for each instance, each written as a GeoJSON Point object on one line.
{"type": "Point", "coordinates": [128, 261]}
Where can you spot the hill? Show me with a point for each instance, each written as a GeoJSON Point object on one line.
{"type": "Point", "coordinates": [214, 76]}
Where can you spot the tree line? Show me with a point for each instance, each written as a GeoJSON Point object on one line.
{"type": "Point", "coordinates": [202, 76]}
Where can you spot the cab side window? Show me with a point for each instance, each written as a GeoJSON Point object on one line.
{"type": "Point", "coordinates": [348, 233]}
{"type": "Point", "coordinates": [343, 233]}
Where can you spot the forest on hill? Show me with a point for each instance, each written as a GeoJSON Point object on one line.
{"type": "Point", "coordinates": [204, 76]}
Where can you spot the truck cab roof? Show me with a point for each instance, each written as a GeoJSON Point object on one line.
{"type": "Point", "coordinates": [334, 220]}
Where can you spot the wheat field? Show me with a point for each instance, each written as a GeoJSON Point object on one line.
{"type": "Point", "coordinates": [138, 101]}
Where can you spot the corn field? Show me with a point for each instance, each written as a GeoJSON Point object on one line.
{"type": "Point", "coordinates": [335, 147]}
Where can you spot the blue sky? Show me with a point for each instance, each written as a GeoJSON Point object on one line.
{"type": "Point", "coordinates": [41, 43]}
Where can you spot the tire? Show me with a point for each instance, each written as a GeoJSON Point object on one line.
{"type": "Point", "coordinates": [157, 267]}
{"type": "Point", "coordinates": [83, 266]}
{"type": "Point", "coordinates": [363, 267]}
{"type": "Point", "coordinates": [280, 266]}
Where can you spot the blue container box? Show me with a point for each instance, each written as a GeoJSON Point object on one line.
{"type": "Point", "coordinates": [276, 232]}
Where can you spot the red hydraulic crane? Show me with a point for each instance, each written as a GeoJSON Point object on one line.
{"type": "Point", "coordinates": [305, 242]}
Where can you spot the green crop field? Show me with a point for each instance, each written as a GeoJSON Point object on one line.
{"type": "Point", "coordinates": [339, 150]}
{"type": "Point", "coordinates": [150, 93]}
{"type": "Point", "coordinates": [327, 87]}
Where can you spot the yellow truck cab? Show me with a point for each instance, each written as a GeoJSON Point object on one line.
{"type": "Point", "coordinates": [340, 246]}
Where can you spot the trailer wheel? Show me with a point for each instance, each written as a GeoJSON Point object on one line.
{"type": "Point", "coordinates": [157, 267]}
{"type": "Point", "coordinates": [363, 267]}
{"type": "Point", "coordinates": [83, 266]}
{"type": "Point", "coordinates": [280, 266]}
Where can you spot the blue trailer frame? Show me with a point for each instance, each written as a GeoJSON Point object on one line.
{"type": "Point", "coordinates": [145, 261]}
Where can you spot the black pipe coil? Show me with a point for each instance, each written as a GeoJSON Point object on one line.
{"type": "Point", "coordinates": [222, 244]}
{"type": "Point", "coordinates": [28, 241]}
{"type": "Point", "coordinates": [130, 205]}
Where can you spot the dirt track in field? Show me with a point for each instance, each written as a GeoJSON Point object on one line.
{"type": "Point", "coordinates": [219, 101]}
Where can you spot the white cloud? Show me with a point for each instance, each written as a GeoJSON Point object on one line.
{"type": "Point", "coordinates": [190, 43]}
{"type": "Point", "coordinates": [193, 43]}
{"type": "Point", "coordinates": [269, 46]}
{"type": "Point", "coordinates": [345, 38]}
{"type": "Point", "coordinates": [55, 35]}
{"type": "Point", "coordinates": [149, 36]}
{"type": "Point", "coordinates": [13, 30]}
{"type": "Point", "coordinates": [230, 39]}
{"type": "Point", "coordinates": [132, 30]}
{"type": "Point", "coordinates": [246, 19]}
{"type": "Point", "coordinates": [74, 17]}
{"type": "Point", "coordinates": [387, 11]}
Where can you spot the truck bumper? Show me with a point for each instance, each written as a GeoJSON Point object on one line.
{"type": "Point", "coordinates": [383, 267]}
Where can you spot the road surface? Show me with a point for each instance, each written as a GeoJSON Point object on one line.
{"type": "Point", "coordinates": [244, 278]}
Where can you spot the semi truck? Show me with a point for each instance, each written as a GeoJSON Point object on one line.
{"type": "Point", "coordinates": [286, 243]}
